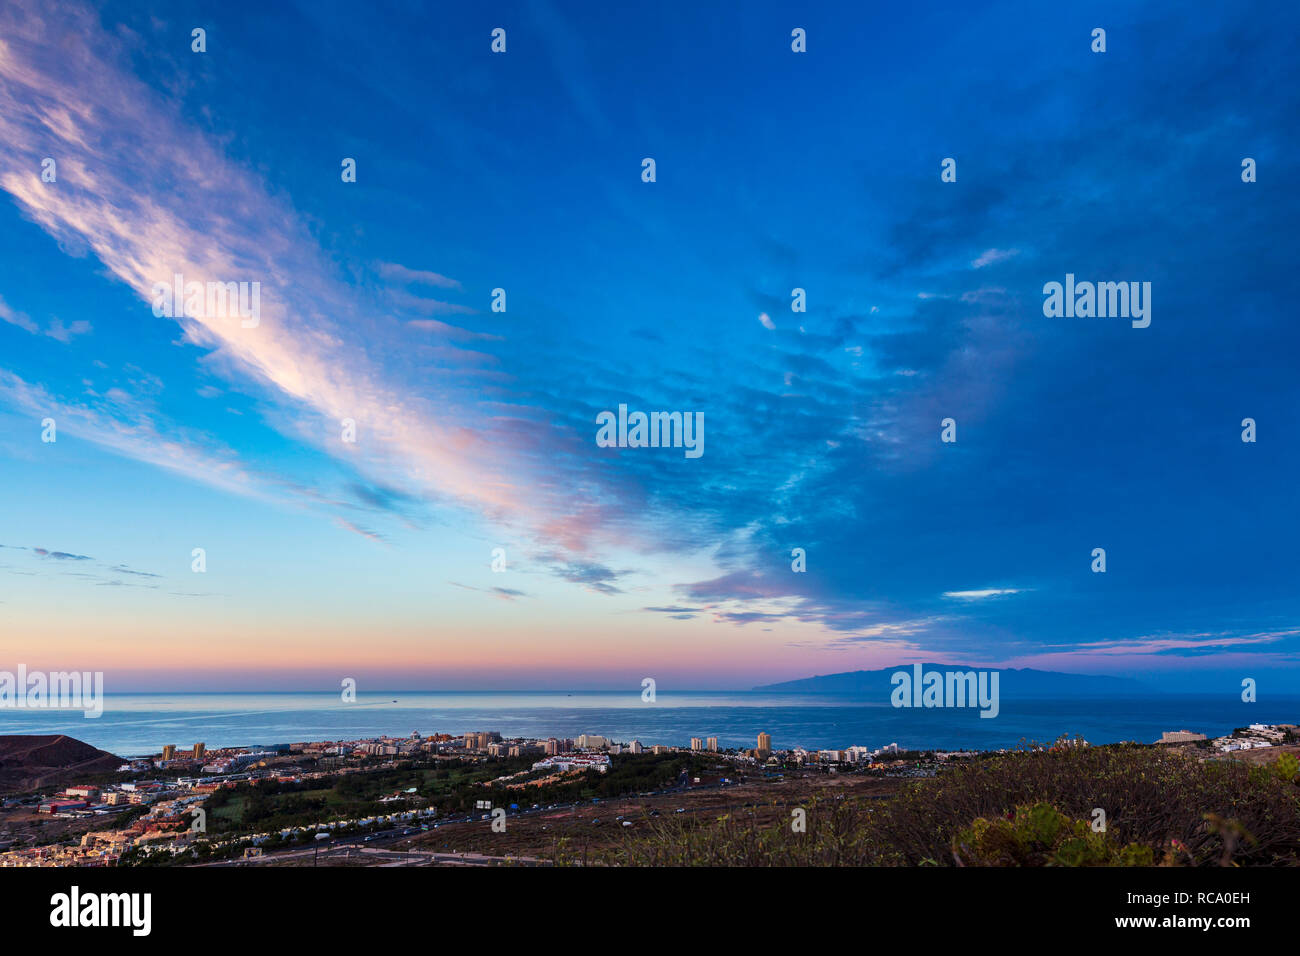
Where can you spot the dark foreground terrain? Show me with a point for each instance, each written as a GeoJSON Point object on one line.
{"type": "Point", "coordinates": [1096, 806]}
{"type": "Point", "coordinates": [28, 762]}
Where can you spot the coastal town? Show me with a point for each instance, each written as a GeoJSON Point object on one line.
{"type": "Point", "coordinates": [158, 807]}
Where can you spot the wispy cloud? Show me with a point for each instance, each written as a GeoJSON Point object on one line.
{"type": "Point", "coordinates": [980, 595]}
{"type": "Point", "coordinates": [400, 273]}
{"type": "Point", "coordinates": [66, 333]}
{"type": "Point", "coordinates": [79, 103]}
{"type": "Point", "coordinates": [1181, 643]}
{"type": "Point", "coordinates": [13, 317]}
{"type": "Point", "coordinates": [188, 454]}
{"type": "Point", "coordinates": [60, 555]}
{"type": "Point", "coordinates": [349, 526]}
{"type": "Point", "coordinates": [989, 256]}
{"type": "Point", "coordinates": [55, 330]}
{"type": "Point", "coordinates": [504, 594]}
{"type": "Point", "coordinates": [90, 569]}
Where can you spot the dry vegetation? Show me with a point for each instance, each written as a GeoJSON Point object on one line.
{"type": "Point", "coordinates": [1027, 808]}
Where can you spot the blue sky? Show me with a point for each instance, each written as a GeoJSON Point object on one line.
{"type": "Point", "coordinates": [476, 429]}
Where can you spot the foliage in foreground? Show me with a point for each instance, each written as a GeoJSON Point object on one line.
{"type": "Point", "coordinates": [1043, 836]}
{"type": "Point", "coordinates": [1025, 808]}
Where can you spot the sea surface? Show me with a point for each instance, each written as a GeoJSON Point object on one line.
{"type": "Point", "coordinates": [139, 724]}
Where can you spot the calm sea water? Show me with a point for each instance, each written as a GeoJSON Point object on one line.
{"type": "Point", "coordinates": [134, 724]}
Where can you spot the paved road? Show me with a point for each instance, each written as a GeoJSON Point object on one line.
{"type": "Point", "coordinates": [365, 854]}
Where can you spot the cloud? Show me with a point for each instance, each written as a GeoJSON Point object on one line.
{"type": "Point", "coordinates": [13, 317]}
{"type": "Point", "coordinates": [1182, 643]}
{"type": "Point", "coordinates": [61, 555]}
{"type": "Point", "coordinates": [349, 526]}
{"type": "Point", "coordinates": [122, 569]}
{"type": "Point", "coordinates": [56, 329]}
{"type": "Point", "coordinates": [982, 594]}
{"type": "Point", "coordinates": [65, 333]}
{"type": "Point", "coordinates": [321, 353]}
{"type": "Point", "coordinates": [504, 594]}
{"type": "Point", "coordinates": [427, 306]}
{"type": "Point", "coordinates": [95, 576]}
{"type": "Point", "coordinates": [185, 453]}
{"type": "Point", "coordinates": [989, 256]}
{"type": "Point", "coordinates": [62, 90]}
{"type": "Point", "coordinates": [590, 574]}
{"type": "Point", "coordinates": [825, 434]}
{"type": "Point", "coordinates": [381, 498]}
{"type": "Point", "coordinates": [451, 331]}
{"type": "Point", "coordinates": [399, 273]}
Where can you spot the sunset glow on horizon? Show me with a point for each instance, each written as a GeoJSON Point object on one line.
{"type": "Point", "coordinates": [396, 472]}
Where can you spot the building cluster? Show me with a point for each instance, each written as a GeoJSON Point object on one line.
{"type": "Point", "coordinates": [184, 779]}
{"type": "Point", "coordinates": [764, 753]}
{"type": "Point", "coordinates": [574, 761]}
{"type": "Point", "coordinates": [168, 815]}
{"type": "Point", "coordinates": [1254, 737]}
{"type": "Point", "coordinates": [199, 759]}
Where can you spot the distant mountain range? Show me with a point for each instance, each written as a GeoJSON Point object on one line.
{"type": "Point", "coordinates": [1013, 682]}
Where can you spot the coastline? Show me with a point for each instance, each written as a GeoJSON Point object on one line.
{"type": "Point", "coordinates": [140, 724]}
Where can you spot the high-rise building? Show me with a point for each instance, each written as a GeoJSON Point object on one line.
{"type": "Point", "coordinates": [712, 745]}
{"type": "Point", "coordinates": [634, 747]}
{"type": "Point", "coordinates": [169, 751]}
{"type": "Point", "coordinates": [765, 743]}
{"type": "Point", "coordinates": [199, 750]}
{"type": "Point", "coordinates": [697, 743]}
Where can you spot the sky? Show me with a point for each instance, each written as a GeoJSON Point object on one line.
{"type": "Point", "coordinates": [476, 429]}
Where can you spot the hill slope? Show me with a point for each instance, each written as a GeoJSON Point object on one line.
{"type": "Point", "coordinates": [31, 761]}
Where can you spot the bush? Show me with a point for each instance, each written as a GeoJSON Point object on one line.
{"type": "Point", "coordinates": [1041, 835]}
{"type": "Point", "coordinates": [1028, 808]}
{"type": "Point", "coordinates": [1165, 800]}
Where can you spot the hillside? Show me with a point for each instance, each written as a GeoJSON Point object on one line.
{"type": "Point", "coordinates": [30, 761]}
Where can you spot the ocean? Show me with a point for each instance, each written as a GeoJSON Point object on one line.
{"type": "Point", "coordinates": [139, 724]}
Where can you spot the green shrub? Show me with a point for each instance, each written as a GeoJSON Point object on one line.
{"type": "Point", "coordinates": [1040, 835]}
